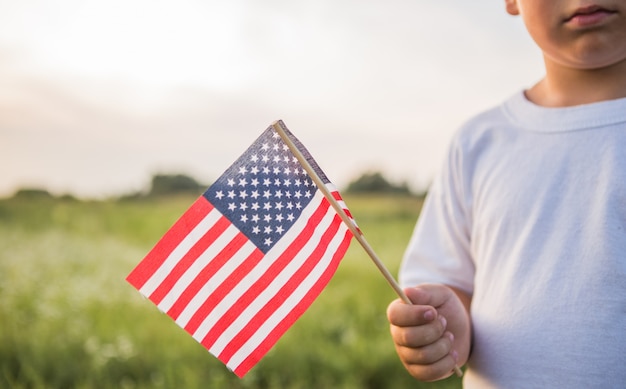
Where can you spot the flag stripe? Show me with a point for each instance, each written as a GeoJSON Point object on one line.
{"type": "Point", "coordinates": [189, 259]}
{"type": "Point", "coordinates": [179, 251]}
{"type": "Point", "coordinates": [261, 294]}
{"type": "Point", "coordinates": [219, 244]}
{"type": "Point", "coordinates": [244, 363]}
{"type": "Point", "coordinates": [210, 270]}
{"type": "Point", "coordinates": [242, 263]}
{"type": "Point", "coordinates": [342, 204]}
{"type": "Point", "coordinates": [181, 228]}
{"type": "Point", "coordinates": [258, 280]}
{"type": "Point", "coordinates": [249, 327]}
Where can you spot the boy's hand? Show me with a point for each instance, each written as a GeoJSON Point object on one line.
{"type": "Point", "coordinates": [433, 335]}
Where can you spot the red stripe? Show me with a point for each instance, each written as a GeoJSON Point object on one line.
{"type": "Point", "coordinates": [337, 197]}
{"type": "Point", "coordinates": [279, 298]}
{"type": "Point", "coordinates": [212, 267]}
{"type": "Point", "coordinates": [189, 258]}
{"type": "Point", "coordinates": [308, 299]}
{"type": "Point", "coordinates": [253, 291]}
{"type": "Point", "coordinates": [172, 238]}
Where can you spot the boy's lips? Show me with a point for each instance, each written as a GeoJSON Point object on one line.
{"type": "Point", "coordinates": [589, 16]}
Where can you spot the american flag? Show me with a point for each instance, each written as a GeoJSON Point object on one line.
{"type": "Point", "coordinates": [249, 256]}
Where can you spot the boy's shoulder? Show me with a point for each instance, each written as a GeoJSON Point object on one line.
{"type": "Point", "coordinates": [486, 123]}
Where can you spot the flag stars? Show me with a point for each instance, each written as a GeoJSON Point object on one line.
{"type": "Point", "coordinates": [264, 193]}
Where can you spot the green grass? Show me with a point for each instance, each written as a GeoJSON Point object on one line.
{"type": "Point", "coordinates": [68, 319]}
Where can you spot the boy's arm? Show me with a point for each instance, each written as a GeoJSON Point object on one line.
{"type": "Point", "coordinates": [433, 335]}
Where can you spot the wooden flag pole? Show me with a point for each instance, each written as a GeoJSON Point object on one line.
{"type": "Point", "coordinates": [346, 219]}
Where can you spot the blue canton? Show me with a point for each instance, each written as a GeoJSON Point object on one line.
{"type": "Point", "coordinates": [264, 192]}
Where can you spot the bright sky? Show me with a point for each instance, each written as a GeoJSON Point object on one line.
{"type": "Point", "coordinates": [96, 96]}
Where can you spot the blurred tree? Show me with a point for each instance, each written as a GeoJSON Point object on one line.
{"type": "Point", "coordinates": [32, 193]}
{"type": "Point", "coordinates": [165, 184]}
{"type": "Point", "coordinates": [375, 182]}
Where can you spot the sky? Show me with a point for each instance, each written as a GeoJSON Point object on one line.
{"type": "Point", "coordinates": [98, 96]}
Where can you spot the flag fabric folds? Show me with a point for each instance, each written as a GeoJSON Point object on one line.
{"type": "Point", "coordinates": [249, 256]}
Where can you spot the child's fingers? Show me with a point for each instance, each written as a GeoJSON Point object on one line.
{"type": "Point", "coordinates": [427, 354]}
{"type": "Point", "coordinates": [406, 315]}
{"type": "Point", "coordinates": [442, 368]}
{"type": "Point", "coordinates": [417, 336]}
{"type": "Point", "coordinates": [428, 294]}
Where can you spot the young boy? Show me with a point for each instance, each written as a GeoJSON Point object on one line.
{"type": "Point", "coordinates": [517, 265]}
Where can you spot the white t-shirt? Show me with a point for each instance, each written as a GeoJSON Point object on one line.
{"type": "Point", "coordinates": [529, 216]}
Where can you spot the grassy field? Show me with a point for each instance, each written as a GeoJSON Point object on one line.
{"type": "Point", "coordinates": [68, 319]}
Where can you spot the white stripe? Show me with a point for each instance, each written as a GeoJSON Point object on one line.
{"type": "Point", "coordinates": [175, 256]}
{"type": "Point", "coordinates": [216, 279]}
{"type": "Point", "coordinates": [273, 288]}
{"type": "Point", "coordinates": [260, 269]}
{"type": "Point", "coordinates": [289, 303]}
{"type": "Point", "coordinates": [196, 267]}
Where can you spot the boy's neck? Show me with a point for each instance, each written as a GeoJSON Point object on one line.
{"type": "Point", "coordinates": [563, 87]}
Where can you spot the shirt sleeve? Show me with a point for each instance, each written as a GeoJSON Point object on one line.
{"type": "Point", "coordinates": [439, 250]}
